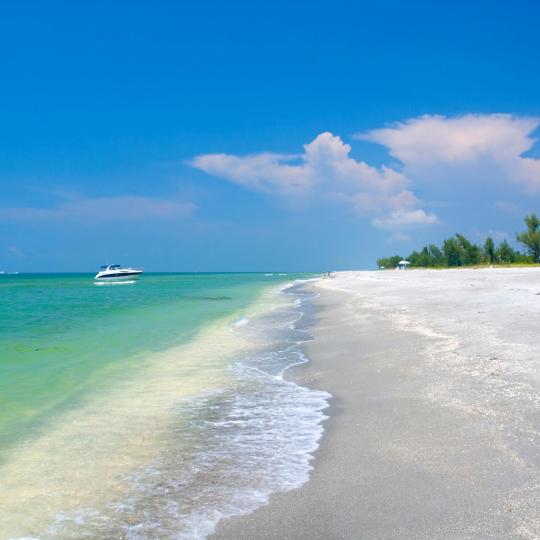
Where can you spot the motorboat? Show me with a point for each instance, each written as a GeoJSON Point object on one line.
{"type": "Point", "coordinates": [116, 272]}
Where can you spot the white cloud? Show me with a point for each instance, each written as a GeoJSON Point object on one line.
{"type": "Point", "coordinates": [324, 172]}
{"type": "Point", "coordinates": [489, 145]}
{"type": "Point", "coordinates": [404, 218]}
{"type": "Point", "coordinates": [263, 172]}
{"type": "Point", "coordinates": [126, 208]}
{"type": "Point", "coordinates": [401, 237]}
{"type": "Point", "coordinates": [467, 154]}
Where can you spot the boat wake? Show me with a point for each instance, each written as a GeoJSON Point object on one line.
{"type": "Point", "coordinates": [107, 283]}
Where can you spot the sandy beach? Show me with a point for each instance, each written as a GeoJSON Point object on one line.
{"type": "Point", "coordinates": [434, 425]}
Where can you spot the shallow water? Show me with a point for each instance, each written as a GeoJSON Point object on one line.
{"type": "Point", "coordinates": [150, 410]}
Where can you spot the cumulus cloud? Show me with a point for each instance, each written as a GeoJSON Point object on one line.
{"type": "Point", "coordinates": [324, 171]}
{"type": "Point", "coordinates": [266, 172]}
{"type": "Point", "coordinates": [481, 150]}
{"type": "Point", "coordinates": [488, 145]}
{"type": "Point", "coordinates": [404, 218]}
{"type": "Point", "coordinates": [100, 209]}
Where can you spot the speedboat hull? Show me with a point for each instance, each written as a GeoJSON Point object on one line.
{"type": "Point", "coordinates": [120, 276]}
{"type": "Point", "coordinates": [115, 272]}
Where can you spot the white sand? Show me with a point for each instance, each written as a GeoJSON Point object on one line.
{"type": "Point", "coordinates": [434, 429]}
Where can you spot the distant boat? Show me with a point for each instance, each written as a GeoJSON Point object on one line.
{"type": "Point", "coordinates": [115, 272]}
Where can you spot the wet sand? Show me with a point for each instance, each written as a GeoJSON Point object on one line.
{"type": "Point", "coordinates": [434, 424]}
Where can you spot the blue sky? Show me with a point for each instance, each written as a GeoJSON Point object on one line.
{"type": "Point", "coordinates": [262, 135]}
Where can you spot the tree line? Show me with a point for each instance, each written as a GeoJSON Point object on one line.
{"type": "Point", "coordinates": [459, 251]}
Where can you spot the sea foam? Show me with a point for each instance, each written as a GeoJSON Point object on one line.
{"type": "Point", "coordinates": [231, 447]}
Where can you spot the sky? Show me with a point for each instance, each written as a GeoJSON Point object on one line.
{"type": "Point", "coordinates": [256, 136]}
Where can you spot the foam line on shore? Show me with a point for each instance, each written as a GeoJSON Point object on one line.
{"type": "Point", "coordinates": [179, 444]}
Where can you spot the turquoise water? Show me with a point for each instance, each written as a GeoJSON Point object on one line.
{"type": "Point", "coordinates": [61, 335]}
{"type": "Point", "coordinates": [150, 409]}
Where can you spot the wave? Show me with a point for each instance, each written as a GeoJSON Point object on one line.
{"type": "Point", "coordinates": [241, 321]}
{"type": "Point", "coordinates": [224, 449]}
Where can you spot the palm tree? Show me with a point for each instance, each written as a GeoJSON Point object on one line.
{"type": "Point", "coordinates": [531, 237]}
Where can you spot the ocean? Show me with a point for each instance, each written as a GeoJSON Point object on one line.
{"type": "Point", "coordinates": [151, 409]}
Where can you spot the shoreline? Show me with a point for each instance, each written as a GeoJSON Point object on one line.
{"type": "Point", "coordinates": [186, 437]}
{"type": "Point", "coordinates": [432, 428]}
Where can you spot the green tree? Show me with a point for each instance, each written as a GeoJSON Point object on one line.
{"type": "Point", "coordinates": [505, 254]}
{"type": "Point", "coordinates": [452, 252]}
{"type": "Point", "coordinates": [436, 255]}
{"type": "Point", "coordinates": [531, 237]}
{"type": "Point", "coordinates": [470, 253]}
{"type": "Point", "coordinates": [414, 258]}
{"type": "Point", "coordinates": [459, 250]}
{"type": "Point", "coordinates": [422, 259]}
{"type": "Point", "coordinates": [489, 250]}
{"type": "Point", "coordinates": [389, 262]}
